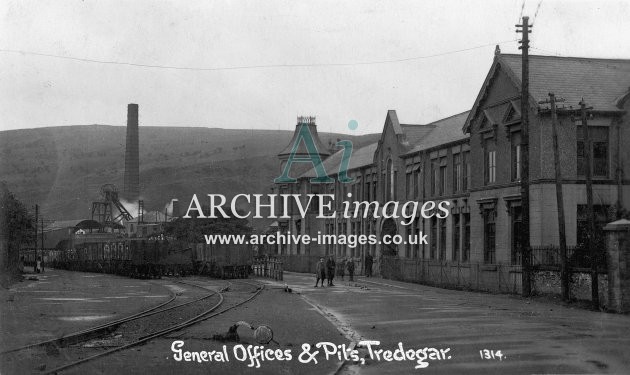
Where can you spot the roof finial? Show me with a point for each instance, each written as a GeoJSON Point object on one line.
{"type": "Point", "coordinates": [497, 50]}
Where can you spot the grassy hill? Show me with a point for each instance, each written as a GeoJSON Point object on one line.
{"type": "Point", "coordinates": [62, 168]}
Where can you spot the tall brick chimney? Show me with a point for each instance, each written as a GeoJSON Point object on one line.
{"type": "Point", "coordinates": [131, 181]}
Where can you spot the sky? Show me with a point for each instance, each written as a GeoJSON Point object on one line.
{"type": "Point", "coordinates": [260, 64]}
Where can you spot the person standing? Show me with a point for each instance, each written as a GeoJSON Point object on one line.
{"type": "Point", "coordinates": [330, 267]}
{"type": "Point", "coordinates": [320, 272]}
{"type": "Point", "coordinates": [342, 268]}
{"type": "Point", "coordinates": [350, 265]}
{"type": "Point", "coordinates": [368, 265]}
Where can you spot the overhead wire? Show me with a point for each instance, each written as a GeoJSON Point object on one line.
{"type": "Point", "coordinates": [245, 67]}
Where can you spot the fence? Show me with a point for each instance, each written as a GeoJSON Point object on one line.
{"type": "Point", "coordinates": [307, 263]}
{"type": "Point", "coordinates": [473, 276]}
{"type": "Point", "coordinates": [549, 256]}
{"type": "Point", "coordinates": [299, 263]}
{"type": "Point", "coordinates": [270, 267]}
{"type": "Point", "coordinates": [497, 278]}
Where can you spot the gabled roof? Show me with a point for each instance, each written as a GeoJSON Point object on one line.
{"type": "Point", "coordinates": [360, 158]}
{"type": "Point", "coordinates": [599, 81]}
{"type": "Point", "coordinates": [603, 83]}
{"type": "Point", "coordinates": [444, 131]}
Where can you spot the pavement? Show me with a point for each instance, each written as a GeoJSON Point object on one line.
{"type": "Point", "coordinates": [533, 336]}
{"type": "Point", "coordinates": [57, 302]}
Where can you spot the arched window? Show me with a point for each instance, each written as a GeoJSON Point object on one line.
{"type": "Point", "coordinates": [389, 180]}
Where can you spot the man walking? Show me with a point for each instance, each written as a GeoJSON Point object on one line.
{"type": "Point", "coordinates": [368, 265]}
{"type": "Point", "coordinates": [350, 265]}
{"type": "Point", "coordinates": [330, 266]}
{"type": "Point", "coordinates": [320, 272]}
{"type": "Point", "coordinates": [342, 268]}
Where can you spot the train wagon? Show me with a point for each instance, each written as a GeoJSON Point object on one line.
{"type": "Point", "coordinates": [223, 261]}
{"type": "Point", "coordinates": [147, 258]}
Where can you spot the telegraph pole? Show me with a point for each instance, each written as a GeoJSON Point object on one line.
{"type": "Point", "coordinates": [36, 241]}
{"type": "Point", "coordinates": [589, 208]}
{"type": "Point", "coordinates": [564, 268]}
{"type": "Point", "coordinates": [526, 252]}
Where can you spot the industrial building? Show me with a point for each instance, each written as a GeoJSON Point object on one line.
{"type": "Point", "coordinates": [472, 159]}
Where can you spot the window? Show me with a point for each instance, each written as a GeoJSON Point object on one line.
{"type": "Point", "coordinates": [417, 228]}
{"type": "Point", "coordinates": [389, 181]}
{"type": "Point", "coordinates": [489, 226]}
{"type": "Point", "coordinates": [374, 186]}
{"type": "Point", "coordinates": [516, 157]}
{"type": "Point", "coordinates": [409, 183]}
{"type": "Point", "coordinates": [435, 177]}
{"type": "Point", "coordinates": [466, 244]}
{"type": "Point", "coordinates": [434, 237]}
{"type": "Point", "coordinates": [298, 230]}
{"type": "Point", "coordinates": [456, 236]}
{"type": "Point", "coordinates": [517, 225]}
{"type": "Point", "coordinates": [600, 159]}
{"type": "Point", "coordinates": [416, 179]}
{"type": "Point", "coordinates": [443, 179]}
{"type": "Point", "coordinates": [316, 189]}
{"type": "Point", "coordinates": [491, 166]}
{"type": "Point", "coordinates": [442, 239]}
{"type": "Point", "coordinates": [457, 173]}
{"type": "Point", "coordinates": [599, 151]}
{"type": "Point", "coordinates": [466, 167]}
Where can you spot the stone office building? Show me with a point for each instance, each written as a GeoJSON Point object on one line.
{"type": "Point", "coordinates": [473, 160]}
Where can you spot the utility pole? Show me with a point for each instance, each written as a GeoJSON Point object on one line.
{"type": "Point", "coordinates": [526, 252]}
{"type": "Point", "coordinates": [36, 232]}
{"type": "Point", "coordinates": [589, 209]}
{"type": "Point", "coordinates": [564, 267]}
{"type": "Point", "coordinates": [42, 231]}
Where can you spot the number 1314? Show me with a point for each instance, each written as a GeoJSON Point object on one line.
{"type": "Point", "coordinates": [491, 354]}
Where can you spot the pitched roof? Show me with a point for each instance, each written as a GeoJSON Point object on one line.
{"type": "Point", "coordinates": [444, 131]}
{"type": "Point", "coordinates": [416, 133]}
{"type": "Point", "coordinates": [599, 81]}
{"type": "Point", "coordinates": [301, 149]}
{"type": "Point", "coordinates": [603, 83]}
{"type": "Point", "coordinates": [360, 158]}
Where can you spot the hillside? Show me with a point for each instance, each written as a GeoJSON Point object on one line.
{"type": "Point", "coordinates": [62, 168]}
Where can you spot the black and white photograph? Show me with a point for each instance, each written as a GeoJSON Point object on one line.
{"type": "Point", "coordinates": [309, 187]}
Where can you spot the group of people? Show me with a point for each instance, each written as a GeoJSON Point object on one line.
{"type": "Point", "coordinates": [326, 270]}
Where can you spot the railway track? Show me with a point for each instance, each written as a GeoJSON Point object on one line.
{"type": "Point", "coordinates": [60, 354]}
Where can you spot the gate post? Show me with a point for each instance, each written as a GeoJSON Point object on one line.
{"type": "Point", "coordinates": [618, 259]}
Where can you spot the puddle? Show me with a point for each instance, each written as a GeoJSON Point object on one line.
{"type": "Point", "coordinates": [43, 291]}
{"type": "Point", "coordinates": [83, 318]}
{"type": "Point", "coordinates": [72, 299]}
{"type": "Point", "coordinates": [105, 343]}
